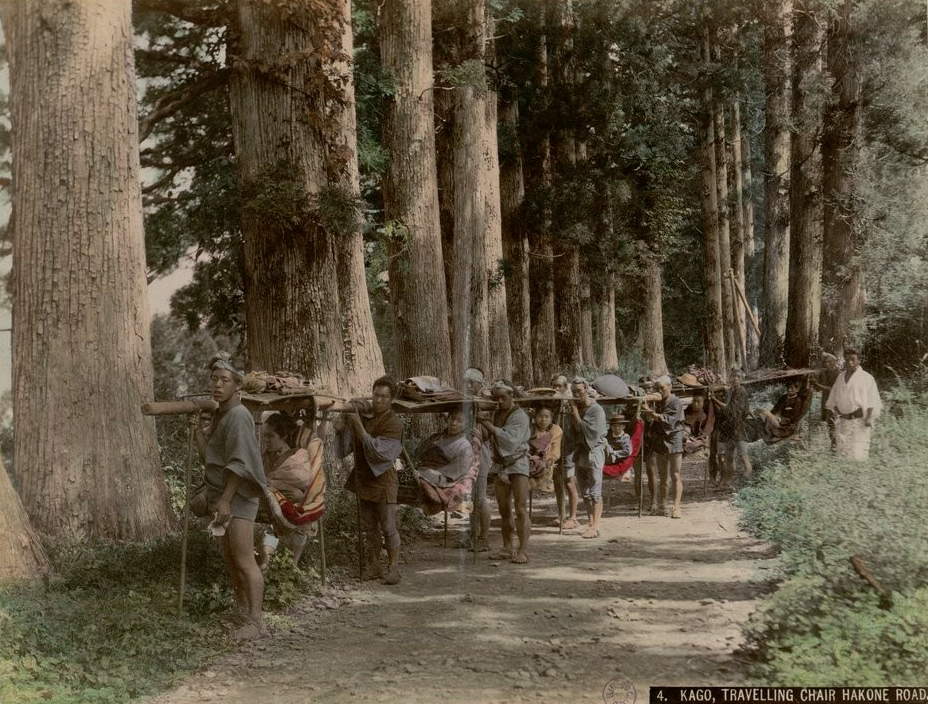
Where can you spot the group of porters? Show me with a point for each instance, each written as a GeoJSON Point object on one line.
{"type": "Point", "coordinates": [488, 435]}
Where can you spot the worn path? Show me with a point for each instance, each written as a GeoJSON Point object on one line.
{"type": "Point", "coordinates": [653, 601]}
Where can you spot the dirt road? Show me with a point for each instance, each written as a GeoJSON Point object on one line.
{"type": "Point", "coordinates": [652, 601]}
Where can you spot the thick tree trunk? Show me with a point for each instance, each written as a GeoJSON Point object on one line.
{"type": "Point", "coordinates": [738, 233]}
{"type": "Point", "coordinates": [87, 461]}
{"type": "Point", "coordinates": [712, 272]}
{"type": "Point", "coordinates": [410, 191]}
{"type": "Point", "coordinates": [776, 180]}
{"type": "Point", "coordinates": [651, 323]}
{"type": "Point", "coordinates": [294, 131]}
{"type": "Point", "coordinates": [586, 320]}
{"type": "Point", "coordinates": [607, 355]}
{"type": "Point", "coordinates": [805, 252]}
{"type": "Point", "coordinates": [444, 153]}
{"type": "Point", "coordinates": [512, 191]}
{"type": "Point", "coordinates": [747, 181]}
{"type": "Point", "coordinates": [842, 280]}
{"type": "Point", "coordinates": [564, 159]}
{"type": "Point", "coordinates": [500, 351]}
{"type": "Point", "coordinates": [721, 179]}
{"type": "Point", "coordinates": [21, 553]}
{"type": "Point", "coordinates": [538, 176]}
{"type": "Point", "coordinates": [471, 314]}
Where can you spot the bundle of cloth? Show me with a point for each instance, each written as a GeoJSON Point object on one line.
{"type": "Point", "coordinates": [447, 467]}
{"type": "Point", "coordinates": [280, 382]}
{"type": "Point", "coordinates": [296, 488]}
{"type": "Point", "coordinates": [426, 388]}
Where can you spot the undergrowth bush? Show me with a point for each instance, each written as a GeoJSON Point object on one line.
{"type": "Point", "coordinates": [826, 625]}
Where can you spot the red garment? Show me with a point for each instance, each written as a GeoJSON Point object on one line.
{"type": "Point", "coordinates": [615, 470]}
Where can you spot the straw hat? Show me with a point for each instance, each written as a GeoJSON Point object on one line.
{"type": "Point", "coordinates": [617, 418]}
{"type": "Point", "coordinates": [688, 379]}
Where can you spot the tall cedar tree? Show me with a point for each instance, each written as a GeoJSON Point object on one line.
{"type": "Point", "coordinates": [87, 461]}
{"type": "Point", "coordinates": [515, 235]}
{"type": "Point", "coordinates": [805, 248]}
{"type": "Point", "coordinates": [842, 284]}
{"type": "Point", "coordinates": [564, 162]}
{"type": "Point", "coordinates": [712, 266]}
{"type": "Point", "coordinates": [777, 30]}
{"type": "Point", "coordinates": [293, 117]}
{"type": "Point", "coordinates": [410, 192]}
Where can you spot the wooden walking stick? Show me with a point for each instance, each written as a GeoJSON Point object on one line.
{"type": "Point", "coordinates": [561, 483]}
{"type": "Point", "coordinates": [183, 544]}
{"type": "Point", "coordinates": [639, 478]}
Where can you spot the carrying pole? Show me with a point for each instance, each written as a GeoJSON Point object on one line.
{"type": "Point", "coordinates": [475, 516]}
{"type": "Point", "coordinates": [183, 544]}
{"type": "Point", "coordinates": [322, 549]}
{"type": "Point", "coordinates": [561, 483]}
{"type": "Point", "coordinates": [639, 478]}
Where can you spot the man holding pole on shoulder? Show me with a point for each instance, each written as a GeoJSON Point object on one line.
{"type": "Point", "coordinates": [589, 421]}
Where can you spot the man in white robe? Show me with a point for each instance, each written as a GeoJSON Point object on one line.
{"type": "Point", "coordinates": [855, 401]}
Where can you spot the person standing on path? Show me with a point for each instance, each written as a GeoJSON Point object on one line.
{"type": "Point", "coordinates": [474, 385]}
{"type": "Point", "coordinates": [234, 477]}
{"type": "Point", "coordinates": [824, 380]}
{"type": "Point", "coordinates": [664, 442]}
{"type": "Point", "coordinates": [375, 438]}
{"type": "Point", "coordinates": [732, 431]}
{"type": "Point", "coordinates": [855, 401]}
{"type": "Point", "coordinates": [589, 421]}
{"type": "Point", "coordinates": [566, 468]}
{"type": "Point", "coordinates": [508, 433]}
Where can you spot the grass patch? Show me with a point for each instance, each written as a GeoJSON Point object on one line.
{"type": "Point", "coordinates": [106, 629]}
{"type": "Point", "coordinates": [825, 625]}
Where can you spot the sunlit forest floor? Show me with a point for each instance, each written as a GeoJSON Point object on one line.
{"type": "Point", "coordinates": [652, 601]}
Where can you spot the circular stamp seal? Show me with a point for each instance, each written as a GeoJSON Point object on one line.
{"type": "Point", "coordinates": [619, 690]}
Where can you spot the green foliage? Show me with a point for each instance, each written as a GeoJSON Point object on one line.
{"type": "Point", "coordinates": [467, 74]}
{"type": "Point", "coordinates": [825, 625]}
{"type": "Point", "coordinates": [106, 629]}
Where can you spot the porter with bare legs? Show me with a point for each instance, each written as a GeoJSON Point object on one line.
{"type": "Point", "coordinates": [589, 421]}
{"type": "Point", "coordinates": [508, 432]}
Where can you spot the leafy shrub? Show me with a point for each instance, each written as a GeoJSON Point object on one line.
{"type": "Point", "coordinates": [826, 625]}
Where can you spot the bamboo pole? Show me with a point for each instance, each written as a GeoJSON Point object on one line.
{"type": "Point", "coordinates": [322, 549]}
{"type": "Point", "coordinates": [639, 472]}
{"type": "Point", "coordinates": [747, 307]}
{"type": "Point", "coordinates": [739, 339]}
{"type": "Point", "coordinates": [561, 483]}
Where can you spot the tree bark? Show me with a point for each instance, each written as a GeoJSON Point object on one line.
{"type": "Point", "coordinates": [410, 191]}
{"type": "Point", "coordinates": [721, 179]}
{"type": "Point", "coordinates": [712, 273]}
{"type": "Point", "coordinates": [607, 355]}
{"type": "Point", "coordinates": [21, 553]}
{"type": "Point", "coordinates": [776, 179]}
{"type": "Point", "coordinates": [586, 320]}
{"type": "Point", "coordinates": [805, 253]}
{"type": "Point", "coordinates": [538, 175]}
{"type": "Point", "coordinates": [512, 191]}
{"type": "Point", "coordinates": [498, 316]}
{"type": "Point", "coordinates": [471, 313]}
{"type": "Point", "coordinates": [564, 158]}
{"type": "Point", "coordinates": [738, 232]}
{"type": "Point", "coordinates": [87, 461]}
{"type": "Point", "coordinates": [651, 330]}
{"type": "Point", "coordinates": [293, 118]}
{"type": "Point", "coordinates": [842, 280]}
{"type": "Point", "coordinates": [747, 180]}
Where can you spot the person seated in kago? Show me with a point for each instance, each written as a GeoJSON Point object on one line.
{"type": "Point", "coordinates": [782, 421]}
{"type": "Point", "coordinates": [296, 481]}
{"type": "Point", "coordinates": [697, 429]}
{"type": "Point", "coordinates": [544, 449]}
{"type": "Point", "coordinates": [442, 459]}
